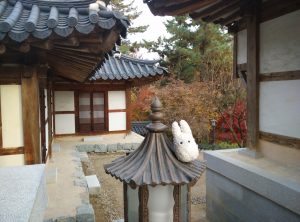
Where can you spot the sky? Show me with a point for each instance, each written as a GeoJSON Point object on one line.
{"type": "Point", "coordinates": [156, 28]}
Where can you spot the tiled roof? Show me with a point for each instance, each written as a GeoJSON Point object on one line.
{"type": "Point", "coordinates": [119, 67]}
{"type": "Point", "coordinates": [42, 18]}
{"type": "Point", "coordinates": [155, 162]}
{"type": "Point", "coordinates": [139, 127]}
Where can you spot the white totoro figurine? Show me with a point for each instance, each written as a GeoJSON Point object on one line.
{"type": "Point", "coordinates": [185, 146]}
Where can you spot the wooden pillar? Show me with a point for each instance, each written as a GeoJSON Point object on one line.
{"type": "Point", "coordinates": [176, 208]}
{"type": "Point", "coordinates": [50, 113]}
{"type": "Point", "coordinates": [252, 22]}
{"type": "Point", "coordinates": [43, 124]}
{"type": "Point", "coordinates": [143, 206]}
{"type": "Point", "coordinates": [30, 109]}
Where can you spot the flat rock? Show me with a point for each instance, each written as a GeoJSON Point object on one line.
{"type": "Point", "coordinates": [93, 184]}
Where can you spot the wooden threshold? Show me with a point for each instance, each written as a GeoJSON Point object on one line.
{"type": "Point", "coordinates": [280, 139]}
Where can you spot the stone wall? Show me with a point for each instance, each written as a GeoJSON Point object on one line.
{"type": "Point", "coordinates": [229, 201]}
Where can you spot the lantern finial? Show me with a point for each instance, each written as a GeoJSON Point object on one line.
{"type": "Point", "coordinates": [156, 117]}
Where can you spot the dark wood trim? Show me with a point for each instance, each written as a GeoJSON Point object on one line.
{"type": "Point", "coordinates": [143, 206]}
{"type": "Point", "coordinates": [88, 87]}
{"type": "Point", "coordinates": [93, 133]}
{"type": "Point", "coordinates": [125, 201]}
{"type": "Point", "coordinates": [11, 151]}
{"type": "Point", "coordinates": [279, 76]}
{"type": "Point", "coordinates": [43, 125]}
{"type": "Point", "coordinates": [252, 73]}
{"type": "Point", "coordinates": [117, 110]}
{"type": "Point", "coordinates": [280, 139]}
{"type": "Point", "coordinates": [92, 110]}
{"type": "Point", "coordinates": [30, 111]}
{"type": "Point", "coordinates": [50, 116]}
{"type": "Point", "coordinates": [64, 112]}
{"type": "Point", "coordinates": [176, 207]}
{"type": "Point", "coordinates": [189, 203]}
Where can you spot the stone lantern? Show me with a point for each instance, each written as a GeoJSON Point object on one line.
{"type": "Point", "coordinates": [156, 184]}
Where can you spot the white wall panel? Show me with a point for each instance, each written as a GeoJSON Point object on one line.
{"type": "Point", "coordinates": [12, 160]}
{"type": "Point", "coordinates": [11, 115]}
{"type": "Point", "coordinates": [116, 100]}
{"type": "Point", "coordinates": [64, 100]}
{"type": "Point", "coordinates": [280, 43]}
{"type": "Point", "coordinates": [117, 121]}
{"type": "Point", "coordinates": [280, 107]}
{"type": "Point", "coordinates": [64, 123]}
{"type": "Point", "coordinates": [242, 47]}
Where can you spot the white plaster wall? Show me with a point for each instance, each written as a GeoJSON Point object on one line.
{"type": "Point", "coordinates": [64, 123]}
{"type": "Point", "coordinates": [12, 160]}
{"type": "Point", "coordinates": [117, 121]}
{"type": "Point", "coordinates": [116, 100]}
{"type": "Point", "coordinates": [280, 107]}
{"type": "Point", "coordinates": [64, 100]}
{"type": "Point", "coordinates": [280, 44]}
{"type": "Point", "coordinates": [11, 115]}
{"type": "Point", "coordinates": [242, 47]}
{"type": "Point", "coordinates": [160, 203]}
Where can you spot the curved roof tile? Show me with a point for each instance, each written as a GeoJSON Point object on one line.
{"type": "Point", "coordinates": [125, 67]}
{"type": "Point", "coordinates": [155, 162]}
{"type": "Point", "coordinates": [20, 19]}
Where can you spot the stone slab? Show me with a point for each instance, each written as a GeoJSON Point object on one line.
{"type": "Point", "coordinates": [23, 193]}
{"type": "Point", "coordinates": [93, 184]}
{"type": "Point", "coordinates": [51, 175]}
{"type": "Point", "coordinates": [85, 213]}
{"type": "Point", "coordinates": [55, 147]}
{"type": "Point", "coordinates": [250, 176]}
{"type": "Point", "coordinates": [92, 139]}
{"type": "Point", "coordinates": [83, 157]}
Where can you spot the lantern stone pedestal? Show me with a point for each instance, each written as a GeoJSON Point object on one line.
{"type": "Point", "coordinates": [156, 184]}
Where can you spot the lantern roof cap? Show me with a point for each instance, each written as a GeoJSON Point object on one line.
{"type": "Point", "coordinates": [154, 162]}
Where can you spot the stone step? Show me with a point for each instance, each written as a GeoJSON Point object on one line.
{"type": "Point", "coordinates": [55, 147]}
{"type": "Point", "coordinates": [93, 184]}
{"type": "Point", "coordinates": [92, 138]}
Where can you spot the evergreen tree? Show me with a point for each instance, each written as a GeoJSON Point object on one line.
{"type": "Point", "coordinates": [132, 13]}
{"type": "Point", "coordinates": [196, 50]}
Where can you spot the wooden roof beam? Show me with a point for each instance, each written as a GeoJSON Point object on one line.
{"type": "Point", "coordinates": [186, 7]}
{"type": "Point", "coordinates": [212, 9]}
{"type": "Point", "coordinates": [219, 14]}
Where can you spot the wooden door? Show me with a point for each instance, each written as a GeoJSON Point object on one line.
{"type": "Point", "coordinates": [91, 115]}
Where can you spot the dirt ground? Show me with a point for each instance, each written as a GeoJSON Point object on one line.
{"type": "Point", "coordinates": [108, 205]}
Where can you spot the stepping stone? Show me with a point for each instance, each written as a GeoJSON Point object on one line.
{"type": "Point", "coordinates": [92, 139]}
{"type": "Point", "coordinates": [93, 184]}
{"type": "Point", "coordinates": [55, 147]}
{"type": "Point", "coordinates": [51, 175]}
{"type": "Point", "coordinates": [83, 157]}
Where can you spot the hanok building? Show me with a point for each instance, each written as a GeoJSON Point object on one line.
{"type": "Point", "coordinates": [51, 81]}
{"type": "Point", "coordinates": [260, 182]}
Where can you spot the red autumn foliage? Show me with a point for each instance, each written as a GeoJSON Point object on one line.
{"type": "Point", "coordinates": [231, 125]}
